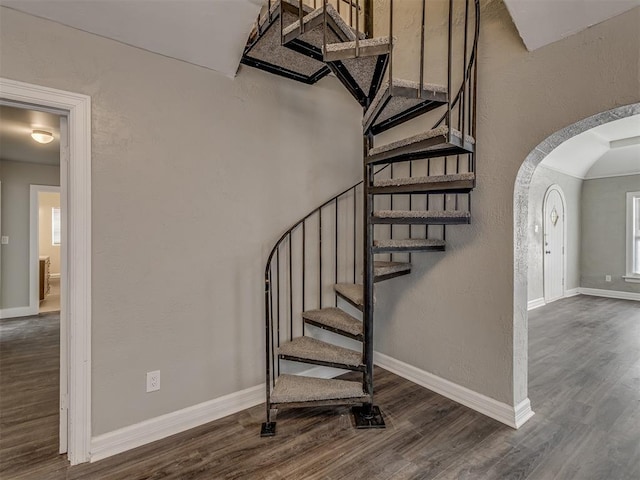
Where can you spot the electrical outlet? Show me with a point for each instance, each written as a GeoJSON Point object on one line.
{"type": "Point", "coordinates": [153, 381]}
{"type": "Point", "coordinates": [5, 240]}
{"type": "Point", "coordinates": [607, 278]}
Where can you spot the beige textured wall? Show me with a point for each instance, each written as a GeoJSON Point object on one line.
{"type": "Point", "coordinates": [194, 176]}
{"type": "Point", "coordinates": [16, 178]}
{"type": "Point", "coordinates": [604, 224]}
{"type": "Point", "coordinates": [48, 201]}
{"type": "Point", "coordinates": [454, 315]}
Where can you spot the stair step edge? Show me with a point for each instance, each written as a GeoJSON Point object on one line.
{"type": "Point", "coordinates": [307, 348]}
{"type": "Point", "coordinates": [297, 388]}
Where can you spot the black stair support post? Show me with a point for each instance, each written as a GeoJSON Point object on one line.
{"type": "Point", "coordinates": [269, 426]}
{"type": "Point", "coordinates": [368, 415]}
{"type": "Point", "coordinates": [368, 18]}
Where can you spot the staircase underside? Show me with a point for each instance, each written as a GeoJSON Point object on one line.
{"type": "Point", "coordinates": [409, 245]}
{"type": "Point", "coordinates": [361, 76]}
{"type": "Point", "coordinates": [267, 53]}
{"type": "Point", "coordinates": [454, 183]}
{"type": "Point", "coordinates": [401, 102]}
{"type": "Point", "coordinates": [438, 142]}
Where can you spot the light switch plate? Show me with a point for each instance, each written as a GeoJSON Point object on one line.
{"type": "Point", "coordinates": [4, 240]}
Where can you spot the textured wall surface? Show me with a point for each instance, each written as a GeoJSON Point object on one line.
{"type": "Point", "coordinates": [460, 315]}
{"type": "Point", "coordinates": [16, 177]}
{"type": "Point", "coordinates": [542, 179]}
{"type": "Point", "coordinates": [194, 176]}
{"type": "Point", "coordinates": [604, 246]}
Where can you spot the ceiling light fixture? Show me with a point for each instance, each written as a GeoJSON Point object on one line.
{"type": "Point", "coordinates": [42, 136]}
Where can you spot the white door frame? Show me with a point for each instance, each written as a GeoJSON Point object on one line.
{"type": "Point", "coordinates": [554, 188]}
{"type": "Point", "coordinates": [77, 108]}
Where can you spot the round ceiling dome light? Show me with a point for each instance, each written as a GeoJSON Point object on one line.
{"type": "Point", "coordinates": [42, 136]}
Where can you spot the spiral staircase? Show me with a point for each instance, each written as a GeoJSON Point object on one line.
{"type": "Point", "coordinates": [320, 275]}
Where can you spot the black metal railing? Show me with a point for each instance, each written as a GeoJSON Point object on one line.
{"type": "Point", "coordinates": [326, 246]}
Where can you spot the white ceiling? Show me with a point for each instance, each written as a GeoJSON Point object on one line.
{"type": "Point", "coordinates": [16, 143]}
{"type": "Point", "coordinates": [608, 150]}
{"type": "Point", "coordinates": [209, 33]}
{"type": "Point", "coordinates": [213, 33]}
{"type": "Point", "coordinates": [541, 22]}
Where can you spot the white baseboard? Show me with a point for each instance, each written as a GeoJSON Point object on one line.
{"type": "Point", "coordinates": [572, 292]}
{"type": "Point", "coordinates": [157, 428]}
{"type": "Point", "coordinates": [513, 416]}
{"type": "Point", "coordinates": [133, 436]}
{"type": "Point", "coordinates": [18, 312]}
{"type": "Point", "coordinates": [538, 302]}
{"type": "Point", "coordinates": [596, 292]}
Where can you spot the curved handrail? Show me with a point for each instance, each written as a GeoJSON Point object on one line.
{"type": "Point", "coordinates": [287, 235]}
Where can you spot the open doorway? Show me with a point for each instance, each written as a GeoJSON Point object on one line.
{"type": "Point", "coordinates": [75, 319]}
{"type": "Point", "coordinates": [593, 200]}
{"type": "Point", "coordinates": [32, 281]}
{"type": "Point", "coordinates": [49, 248]}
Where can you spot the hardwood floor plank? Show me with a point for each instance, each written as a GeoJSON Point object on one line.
{"type": "Point", "coordinates": [584, 386]}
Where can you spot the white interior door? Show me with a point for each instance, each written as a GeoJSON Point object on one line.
{"type": "Point", "coordinates": [553, 254]}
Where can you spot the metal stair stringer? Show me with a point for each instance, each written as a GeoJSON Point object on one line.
{"type": "Point", "coordinates": [432, 181]}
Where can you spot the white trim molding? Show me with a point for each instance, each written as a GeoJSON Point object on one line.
{"type": "Point", "coordinates": [127, 438]}
{"type": "Point", "coordinates": [513, 416]}
{"type": "Point", "coordinates": [537, 303]}
{"type": "Point", "coordinates": [572, 292]}
{"type": "Point", "coordinates": [77, 108]}
{"type": "Point", "coordinates": [597, 292]}
{"type": "Point", "coordinates": [18, 312]}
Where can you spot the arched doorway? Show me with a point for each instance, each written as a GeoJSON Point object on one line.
{"type": "Point", "coordinates": [520, 233]}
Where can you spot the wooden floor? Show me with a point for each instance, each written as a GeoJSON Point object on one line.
{"type": "Point", "coordinates": [584, 387]}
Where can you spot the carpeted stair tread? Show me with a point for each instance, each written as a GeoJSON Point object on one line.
{"type": "Point", "coordinates": [353, 292]}
{"type": "Point", "coordinates": [421, 217]}
{"type": "Point", "coordinates": [307, 348]}
{"type": "Point", "coordinates": [367, 42]}
{"type": "Point", "coordinates": [334, 319]}
{"type": "Point", "coordinates": [268, 49]}
{"type": "Point", "coordinates": [297, 388]}
{"type": "Point", "coordinates": [388, 268]}
{"type": "Point", "coordinates": [409, 243]}
{"type": "Point", "coordinates": [398, 104]}
{"type": "Point", "coordinates": [454, 177]}
{"type": "Point", "coordinates": [425, 181]}
{"type": "Point", "coordinates": [421, 214]}
{"type": "Point", "coordinates": [442, 131]}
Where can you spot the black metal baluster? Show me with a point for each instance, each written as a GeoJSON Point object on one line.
{"type": "Point", "coordinates": [320, 258]}
{"type": "Point", "coordinates": [278, 296]}
{"type": "Point", "coordinates": [304, 266]}
{"type": "Point", "coordinates": [290, 291]}
{"type": "Point", "coordinates": [355, 234]}
{"type": "Point", "coordinates": [335, 266]}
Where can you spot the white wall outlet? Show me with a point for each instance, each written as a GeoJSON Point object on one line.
{"type": "Point", "coordinates": [4, 240]}
{"type": "Point", "coordinates": [607, 278]}
{"type": "Point", "coordinates": [153, 381]}
{"type": "Point", "coordinates": [536, 228]}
